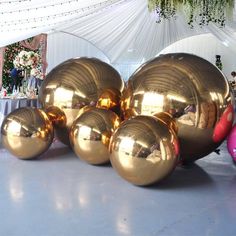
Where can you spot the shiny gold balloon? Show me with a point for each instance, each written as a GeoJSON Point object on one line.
{"type": "Point", "coordinates": [90, 135]}
{"type": "Point", "coordinates": [27, 132]}
{"type": "Point", "coordinates": [110, 99]}
{"type": "Point", "coordinates": [74, 84]}
{"type": "Point", "coordinates": [168, 119]}
{"type": "Point", "coordinates": [143, 150]}
{"type": "Point", "coordinates": [56, 115]}
{"type": "Point", "coordinates": [192, 90]}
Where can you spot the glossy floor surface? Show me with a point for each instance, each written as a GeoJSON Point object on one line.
{"type": "Point", "coordinates": [63, 196]}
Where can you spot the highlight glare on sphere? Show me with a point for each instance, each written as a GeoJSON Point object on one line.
{"type": "Point", "coordinates": [192, 90]}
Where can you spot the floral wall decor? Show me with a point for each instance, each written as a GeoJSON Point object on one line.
{"type": "Point", "coordinates": [10, 55]}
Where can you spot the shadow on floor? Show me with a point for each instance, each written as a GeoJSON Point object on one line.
{"type": "Point", "coordinates": [56, 154]}
{"type": "Point", "coordinates": [191, 176]}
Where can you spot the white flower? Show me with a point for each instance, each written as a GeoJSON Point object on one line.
{"type": "Point", "coordinates": [26, 60]}
{"type": "Point", "coordinates": [23, 53]}
{"type": "Point", "coordinates": [36, 73]}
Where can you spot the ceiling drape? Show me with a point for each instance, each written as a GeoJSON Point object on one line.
{"type": "Point", "coordinates": [125, 30]}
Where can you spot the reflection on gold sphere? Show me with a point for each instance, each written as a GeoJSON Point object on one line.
{"type": "Point", "coordinates": [188, 87]}
{"type": "Point", "coordinates": [143, 150]}
{"type": "Point", "coordinates": [110, 99]}
{"type": "Point", "coordinates": [27, 132]}
{"type": "Point", "coordinates": [74, 84]}
{"type": "Point", "coordinates": [56, 116]}
{"type": "Point", "coordinates": [90, 135]}
{"type": "Point", "coordinates": [168, 119]}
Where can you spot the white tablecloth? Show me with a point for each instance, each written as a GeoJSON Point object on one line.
{"type": "Point", "coordinates": [9, 105]}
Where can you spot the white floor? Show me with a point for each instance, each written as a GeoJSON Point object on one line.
{"type": "Point", "coordinates": [63, 196]}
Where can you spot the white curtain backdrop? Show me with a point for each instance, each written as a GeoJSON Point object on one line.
{"type": "Point", "coordinates": [206, 46]}
{"type": "Point", "coordinates": [126, 70]}
{"type": "Point", "coordinates": [124, 30]}
{"type": "Point", "coordinates": [62, 46]}
{"type": "Point", "coordinates": [21, 19]}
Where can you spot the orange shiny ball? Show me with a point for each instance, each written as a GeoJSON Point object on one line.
{"type": "Point", "coordinates": [56, 115]}
{"type": "Point", "coordinates": [109, 98]}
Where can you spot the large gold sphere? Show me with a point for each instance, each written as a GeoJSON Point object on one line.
{"type": "Point", "coordinates": [27, 132]}
{"type": "Point", "coordinates": [90, 135]}
{"type": "Point", "coordinates": [143, 150]}
{"type": "Point", "coordinates": [192, 90]}
{"type": "Point", "coordinates": [74, 84]}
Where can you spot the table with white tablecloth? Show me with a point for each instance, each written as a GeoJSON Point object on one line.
{"type": "Point", "coordinates": [8, 105]}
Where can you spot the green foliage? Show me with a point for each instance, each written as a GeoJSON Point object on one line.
{"type": "Point", "coordinates": [197, 12]}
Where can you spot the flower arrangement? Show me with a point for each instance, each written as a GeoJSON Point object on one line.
{"type": "Point", "coordinates": [35, 72]}
{"type": "Point", "coordinates": [26, 60]}
{"type": "Point", "coordinates": [196, 11]}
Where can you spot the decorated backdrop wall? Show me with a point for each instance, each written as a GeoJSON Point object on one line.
{"type": "Point", "coordinates": [10, 53]}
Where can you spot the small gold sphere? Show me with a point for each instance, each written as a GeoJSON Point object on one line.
{"type": "Point", "coordinates": [90, 135]}
{"type": "Point", "coordinates": [168, 119]}
{"type": "Point", "coordinates": [144, 150]}
{"type": "Point", "coordinates": [56, 116]}
{"type": "Point", "coordinates": [110, 99]}
{"type": "Point", "coordinates": [27, 132]}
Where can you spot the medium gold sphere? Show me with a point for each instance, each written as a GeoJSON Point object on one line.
{"type": "Point", "coordinates": [74, 84]}
{"type": "Point", "coordinates": [27, 132]}
{"type": "Point", "coordinates": [143, 150]}
{"type": "Point", "coordinates": [192, 90]}
{"type": "Point", "coordinates": [90, 135]}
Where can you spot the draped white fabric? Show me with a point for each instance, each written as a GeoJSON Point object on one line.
{"type": "Point", "coordinates": [128, 32]}
{"type": "Point", "coordinates": [25, 18]}
{"type": "Point", "coordinates": [124, 30]}
{"type": "Point", "coordinates": [206, 46]}
{"type": "Point", "coordinates": [62, 46]}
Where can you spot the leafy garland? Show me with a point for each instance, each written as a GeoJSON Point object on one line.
{"type": "Point", "coordinates": [11, 51]}
{"type": "Point", "coordinates": [164, 9]}
{"type": "Point", "coordinates": [200, 12]}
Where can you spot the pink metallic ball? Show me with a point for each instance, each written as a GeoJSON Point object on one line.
{"type": "Point", "coordinates": [231, 142]}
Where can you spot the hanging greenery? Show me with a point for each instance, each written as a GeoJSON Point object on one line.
{"type": "Point", "coordinates": [164, 9]}
{"type": "Point", "coordinates": [200, 12]}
